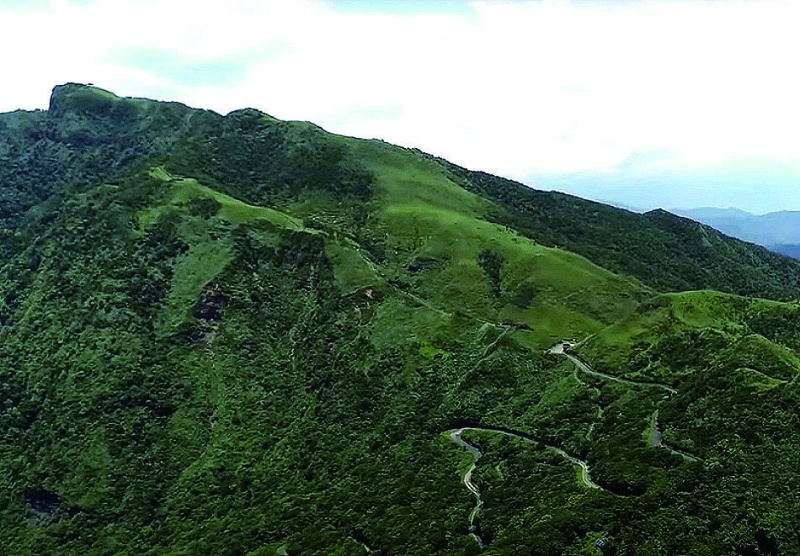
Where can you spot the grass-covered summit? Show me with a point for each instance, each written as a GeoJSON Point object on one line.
{"type": "Point", "coordinates": [237, 335]}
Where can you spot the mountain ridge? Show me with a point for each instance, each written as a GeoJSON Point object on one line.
{"type": "Point", "coordinates": [675, 240]}
{"type": "Point", "coordinates": [239, 336]}
{"type": "Point", "coordinates": [778, 231]}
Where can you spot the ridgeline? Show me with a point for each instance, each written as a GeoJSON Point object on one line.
{"type": "Point", "coordinates": [235, 335]}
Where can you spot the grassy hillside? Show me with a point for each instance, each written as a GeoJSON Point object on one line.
{"type": "Point", "coordinates": [660, 249]}
{"type": "Point", "coordinates": [250, 337]}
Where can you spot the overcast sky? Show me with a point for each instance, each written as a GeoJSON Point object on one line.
{"type": "Point", "coordinates": [664, 103]}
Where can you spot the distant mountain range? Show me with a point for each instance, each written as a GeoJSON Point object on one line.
{"type": "Point", "coordinates": [778, 231]}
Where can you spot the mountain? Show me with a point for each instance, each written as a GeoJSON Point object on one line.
{"type": "Point", "coordinates": [787, 249]}
{"type": "Point", "coordinates": [235, 335]}
{"type": "Point", "coordinates": [778, 231]}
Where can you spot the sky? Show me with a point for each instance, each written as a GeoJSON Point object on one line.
{"type": "Point", "coordinates": [645, 104]}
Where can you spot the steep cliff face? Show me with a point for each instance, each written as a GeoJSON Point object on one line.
{"type": "Point", "coordinates": [237, 335]}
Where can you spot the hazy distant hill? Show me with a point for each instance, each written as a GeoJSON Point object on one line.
{"type": "Point", "coordinates": [778, 231]}
{"type": "Point", "coordinates": [790, 250]}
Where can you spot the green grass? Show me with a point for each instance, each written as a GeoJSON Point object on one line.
{"type": "Point", "coordinates": [398, 321]}
{"type": "Point", "coordinates": [762, 361]}
{"type": "Point", "coordinates": [351, 269]}
{"type": "Point", "coordinates": [193, 271]}
{"type": "Point", "coordinates": [184, 190]}
{"type": "Point", "coordinates": [680, 313]}
{"type": "Point", "coordinates": [758, 380]}
{"type": "Point", "coordinates": [97, 91]}
{"type": "Point", "coordinates": [423, 214]}
{"type": "Point", "coordinates": [209, 252]}
{"type": "Point", "coordinates": [649, 434]}
{"type": "Point", "coordinates": [404, 177]}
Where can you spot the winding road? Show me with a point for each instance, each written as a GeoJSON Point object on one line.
{"type": "Point", "coordinates": [455, 436]}
{"type": "Point", "coordinates": [563, 348]}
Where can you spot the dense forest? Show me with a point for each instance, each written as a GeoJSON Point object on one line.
{"type": "Point", "coordinates": [234, 335]}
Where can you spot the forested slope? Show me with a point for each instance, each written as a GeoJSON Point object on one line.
{"type": "Point", "coordinates": [663, 250]}
{"type": "Point", "coordinates": [239, 336]}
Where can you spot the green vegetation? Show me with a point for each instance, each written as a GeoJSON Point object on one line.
{"type": "Point", "coordinates": [184, 191]}
{"type": "Point", "coordinates": [233, 335]}
{"type": "Point", "coordinates": [662, 250]}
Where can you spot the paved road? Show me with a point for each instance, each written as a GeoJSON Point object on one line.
{"type": "Point", "coordinates": [455, 436]}
{"type": "Point", "coordinates": [563, 349]}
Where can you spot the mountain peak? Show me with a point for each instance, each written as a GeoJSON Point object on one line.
{"type": "Point", "coordinates": [85, 99]}
{"type": "Point", "coordinates": [216, 323]}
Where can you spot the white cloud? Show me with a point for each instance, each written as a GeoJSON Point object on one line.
{"type": "Point", "coordinates": [517, 88]}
